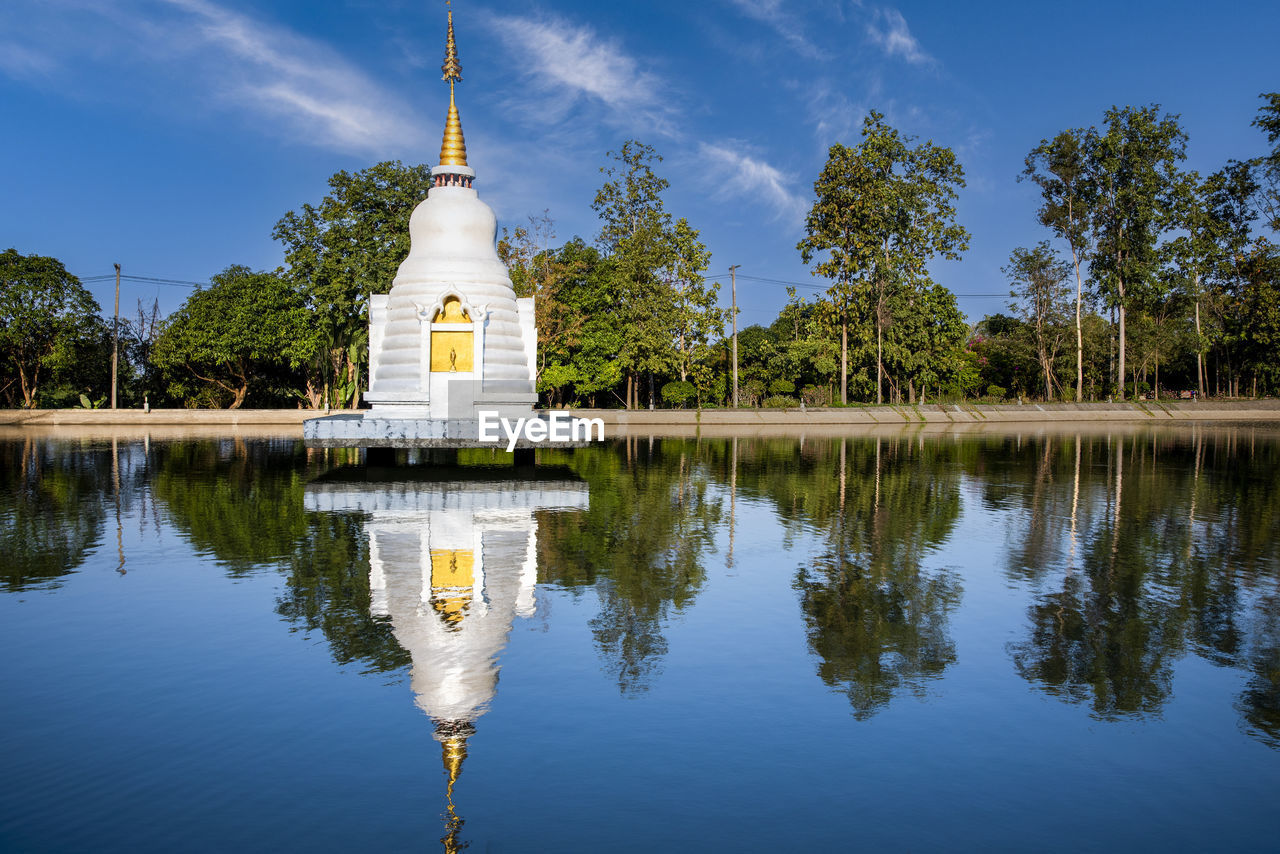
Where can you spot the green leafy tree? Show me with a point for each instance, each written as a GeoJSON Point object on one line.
{"type": "Point", "coordinates": [1268, 121]}
{"type": "Point", "coordinates": [1060, 168]}
{"type": "Point", "coordinates": [662, 300]}
{"type": "Point", "coordinates": [678, 393]}
{"type": "Point", "coordinates": [1005, 354]}
{"type": "Point", "coordinates": [925, 346]}
{"type": "Point", "coordinates": [1260, 308]}
{"type": "Point", "coordinates": [340, 252]}
{"type": "Point", "coordinates": [241, 331]}
{"type": "Point", "coordinates": [1133, 163]}
{"type": "Point", "coordinates": [1041, 293]}
{"type": "Point", "coordinates": [694, 314]}
{"type": "Point", "coordinates": [883, 210]}
{"type": "Point", "coordinates": [537, 271]}
{"type": "Point", "coordinates": [635, 236]}
{"type": "Point", "coordinates": [45, 316]}
{"type": "Point", "coordinates": [806, 351]}
{"type": "Point", "coordinates": [1231, 194]}
{"type": "Point", "coordinates": [578, 337]}
{"type": "Point", "coordinates": [1195, 254]}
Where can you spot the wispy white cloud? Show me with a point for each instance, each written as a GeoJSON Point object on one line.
{"type": "Point", "coordinates": [889, 30]}
{"type": "Point", "coordinates": [772, 14]}
{"type": "Point", "coordinates": [278, 72]}
{"type": "Point", "coordinates": [743, 175]}
{"type": "Point", "coordinates": [569, 62]}
{"type": "Point", "coordinates": [278, 80]}
{"type": "Point", "coordinates": [18, 60]}
{"type": "Point", "coordinates": [835, 116]}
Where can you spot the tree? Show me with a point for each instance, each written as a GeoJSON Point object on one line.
{"type": "Point", "coordinates": [1260, 307]}
{"type": "Point", "coordinates": [236, 333]}
{"type": "Point", "coordinates": [1268, 120]}
{"type": "Point", "coordinates": [139, 339]}
{"type": "Point", "coordinates": [341, 252]}
{"type": "Point", "coordinates": [44, 313]}
{"type": "Point", "coordinates": [805, 349]}
{"type": "Point", "coordinates": [694, 315]}
{"type": "Point", "coordinates": [1230, 200]}
{"type": "Point", "coordinates": [536, 271]}
{"type": "Point", "coordinates": [1195, 253]}
{"type": "Point", "coordinates": [657, 265]}
{"type": "Point", "coordinates": [1060, 168]}
{"type": "Point", "coordinates": [1133, 167]}
{"type": "Point", "coordinates": [883, 210]}
{"type": "Point", "coordinates": [578, 336]}
{"type": "Point", "coordinates": [1040, 288]}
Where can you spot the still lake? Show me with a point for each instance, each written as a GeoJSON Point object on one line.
{"type": "Point", "coordinates": [1046, 640]}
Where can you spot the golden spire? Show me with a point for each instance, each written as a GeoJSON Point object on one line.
{"type": "Point", "coordinates": [452, 736]}
{"type": "Point", "coordinates": [453, 149]}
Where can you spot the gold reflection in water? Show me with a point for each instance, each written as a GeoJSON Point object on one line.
{"type": "Point", "coordinates": [452, 580]}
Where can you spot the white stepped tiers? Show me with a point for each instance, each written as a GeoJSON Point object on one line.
{"type": "Point", "coordinates": [452, 253]}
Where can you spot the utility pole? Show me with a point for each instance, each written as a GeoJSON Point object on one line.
{"type": "Point", "coordinates": [115, 341]}
{"type": "Point", "coordinates": [733, 288]}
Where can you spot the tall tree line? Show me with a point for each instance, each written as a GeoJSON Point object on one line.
{"type": "Point", "coordinates": [1154, 277]}
{"type": "Point", "coordinates": [1171, 258]}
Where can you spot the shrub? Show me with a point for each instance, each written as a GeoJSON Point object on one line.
{"type": "Point", "coordinates": [678, 393]}
{"type": "Point", "coordinates": [782, 387]}
{"type": "Point", "coordinates": [815, 396]}
{"type": "Point", "coordinates": [999, 392]}
{"type": "Point", "coordinates": [779, 401]}
{"type": "Point", "coordinates": [750, 392]}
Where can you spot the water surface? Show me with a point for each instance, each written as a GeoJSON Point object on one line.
{"type": "Point", "coordinates": [1049, 641]}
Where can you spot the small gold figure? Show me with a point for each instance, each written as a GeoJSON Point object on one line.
{"type": "Point", "coordinates": [453, 360]}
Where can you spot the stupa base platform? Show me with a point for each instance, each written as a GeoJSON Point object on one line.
{"type": "Point", "coordinates": [368, 430]}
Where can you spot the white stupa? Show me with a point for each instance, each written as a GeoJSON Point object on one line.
{"type": "Point", "coordinates": [451, 338]}
{"type": "Point", "coordinates": [451, 341]}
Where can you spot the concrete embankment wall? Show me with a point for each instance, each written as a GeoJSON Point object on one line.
{"type": "Point", "coordinates": [1146, 410]}
{"type": "Point", "coordinates": [930, 418]}
{"type": "Point", "coordinates": [1007, 413]}
{"type": "Point", "coordinates": [156, 417]}
{"type": "Point", "coordinates": [170, 424]}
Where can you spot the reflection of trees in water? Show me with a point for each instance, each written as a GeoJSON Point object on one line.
{"type": "Point", "coordinates": [242, 502]}
{"type": "Point", "coordinates": [327, 589]}
{"type": "Point", "coordinates": [876, 618]}
{"type": "Point", "coordinates": [1168, 551]}
{"type": "Point", "coordinates": [639, 546]}
{"type": "Point", "coordinates": [1136, 550]}
{"type": "Point", "coordinates": [53, 506]}
{"type": "Point", "coordinates": [877, 629]}
{"type": "Point", "coordinates": [1260, 701]}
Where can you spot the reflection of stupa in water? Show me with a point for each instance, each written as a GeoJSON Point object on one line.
{"type": "Point", "coordinates": [452, 564]}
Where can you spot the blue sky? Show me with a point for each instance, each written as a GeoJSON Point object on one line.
{"type": "Point", "coordinates": [170, 135]}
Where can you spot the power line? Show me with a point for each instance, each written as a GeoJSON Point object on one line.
{"type": "Point", "coordinates": [147, 280]}
{"type": "Point", "coordinates": [168, 281]}
{"type": "Point", "coordinates": [823, 287]}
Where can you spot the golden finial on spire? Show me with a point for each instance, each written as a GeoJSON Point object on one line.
{"type": "Point", "coordinates": [453, 149]}
{"type": "Point", "coordinates": [452, 736]}
{"type": "Point", "coordinates": [452, 70]}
